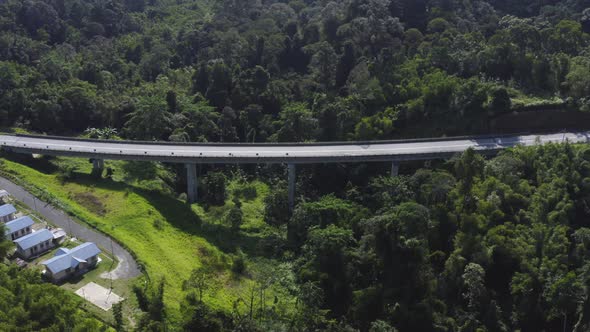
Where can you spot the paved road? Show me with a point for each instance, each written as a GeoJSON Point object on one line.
{"type": "Point", "coordinates": [275, 153]}
{"type": "Point", "coordinates": [127, 267]}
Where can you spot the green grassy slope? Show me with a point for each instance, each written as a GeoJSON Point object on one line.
{"type": "Point", "coordinates": [169, 237]}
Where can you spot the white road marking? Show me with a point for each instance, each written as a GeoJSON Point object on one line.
{"type": "Point", "coordinates": [287, 152]}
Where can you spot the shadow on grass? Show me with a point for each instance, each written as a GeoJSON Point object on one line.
{"type": "Point", "coordinates": [76, 279]}
{"type": "Point", "coordinates": [43, 164]}
{"type": "Point", "coordinates": [177, 213]}
{"type": "Point", "coordinates": [182, 217]}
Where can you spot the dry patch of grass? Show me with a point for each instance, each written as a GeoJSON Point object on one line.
{"type": "Point", "coordinates": [91, 202]}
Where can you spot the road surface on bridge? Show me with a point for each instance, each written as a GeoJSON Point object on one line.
{"type": "Point", "coordinates": [277, 153]}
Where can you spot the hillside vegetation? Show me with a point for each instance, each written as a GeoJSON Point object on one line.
{"type": "Point", "coordinates": [495, 245]}
{"type": "Point", "coordinates": [265, 70]}
{"type": "Point", "coordinates": [169, 239]}
{"type": "Point", "coordinates": [468, 244]}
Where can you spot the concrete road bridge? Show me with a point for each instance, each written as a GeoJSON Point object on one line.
{"type": "Point", "coordinates": [291, 154]}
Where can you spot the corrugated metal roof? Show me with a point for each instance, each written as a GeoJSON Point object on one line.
{"type": "Point", "coordinates": [70, 258]}
{"type": "Point", "coordinates": [7, 209]}
{"type": "Point", "coordinates": [33, 239]}
{"type": "Point", "coordinates": [18, 224]}
{"type": "Point", "coordinates": [61, 251]}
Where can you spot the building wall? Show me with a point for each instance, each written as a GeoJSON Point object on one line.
{"type": "Point", "coordinates": [82, 269]}
{"type": "Point", "coordinates": [36, 250]}
{"type": "Point", "coordinates": [7, 218]}
{"type": "Point", "coordinates": [18, 234]}
{"type": "Point", "coordinates": [58, 276]}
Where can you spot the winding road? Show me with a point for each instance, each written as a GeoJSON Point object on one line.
{"type": "Point", "coordinates": [127, 267]}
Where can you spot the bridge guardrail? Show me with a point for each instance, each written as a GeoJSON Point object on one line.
{"type": "Point", "coordinates": [279, 144]}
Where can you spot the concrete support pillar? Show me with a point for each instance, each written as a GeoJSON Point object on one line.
{"type": "Point", "coordinates": [191, 181]}
{"type": "Point", "coordinates": [97, 167]}
{"type": "Point", "coordinates": [292, 182]}
{"type": "Point", "coordinates": [394, 169]}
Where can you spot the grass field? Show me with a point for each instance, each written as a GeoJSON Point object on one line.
{"type": "Point", "coordinates": [169, 237]}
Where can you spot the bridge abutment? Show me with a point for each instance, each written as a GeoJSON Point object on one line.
{"type": "Point", "coordinates": [191, 181]}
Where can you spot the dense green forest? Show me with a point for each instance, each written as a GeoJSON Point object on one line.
{"type": "Point", "coordinates": [468, 244]}
{"type": "Point", "coordinates": [264, 70]}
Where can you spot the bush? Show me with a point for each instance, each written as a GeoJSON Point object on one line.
{"type": "Point", "coordinates": [500, 102]}
{"type": "Point", "coordinates": [235, 218]}
{"type": "Point", "coordinates": [66, 173]}
{"type": "Point", "coordinates": [158, 224]}
{"type": "Point", "coordinates": [215, 189]}
{"type": "Point", "coordinates": [247, 192]}
{"type": "Point", "coordinates": [271, 246]}
{"type": "Point", "coordinates": [239, 263]}
{"type": "Point", "coordinates": [276, 207]}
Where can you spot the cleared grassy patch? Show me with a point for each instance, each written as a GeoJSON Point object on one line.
{"type": "Point", "coordinates": [169, 237]}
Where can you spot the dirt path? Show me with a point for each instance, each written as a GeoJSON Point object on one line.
{"type": "Point", "coordinates": [127, 267]}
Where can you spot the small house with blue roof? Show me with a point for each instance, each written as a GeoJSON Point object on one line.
{"type": "Point", "coordinates": [34, 244]}
{"type": "Point", "coordinates": [7, 213]}
{"type": "Point", "coordinates": [18, 228]}
{"type": "Point", "coordinates": [71, 262]}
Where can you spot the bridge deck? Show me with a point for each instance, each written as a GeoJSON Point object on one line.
{"type": "Point", "coordinates": [275, 153]}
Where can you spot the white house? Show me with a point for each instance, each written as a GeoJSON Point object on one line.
{"type": "Point", "coordinates": [34, 244]}
{"type": "Point", "coordinates": [18, 228]}
{"type": "Point", "coordinates": [7, 213]}
{"type": "Point", "coordinates": [70, 262]}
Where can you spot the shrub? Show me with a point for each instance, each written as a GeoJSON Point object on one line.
{"type": "Point", "coordinates": [239, 263]}
{"type": "Point", "coordinates": [235, 218]}
{"type": "Point", "coordinates": [215, 188]}
{"type": "Point", "coordinates": [500, 102]}
{"type": "Point", "coordinates": [247, 192]}
{"type": "Point", "coordinates": [276, 207]}
{"type": "Point", "coordinates": [158, 224]}
{"type": "Point", "coordinates": [66, 172]}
